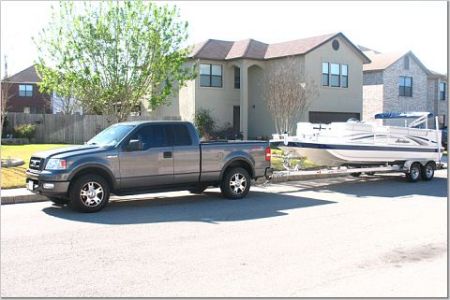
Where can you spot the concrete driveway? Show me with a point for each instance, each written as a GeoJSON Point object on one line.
{"type": "Point", "coordinates": [373, 236]}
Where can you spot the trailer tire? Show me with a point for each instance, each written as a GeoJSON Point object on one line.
{"type": "Point", "coordinates": [235, 183]}
{"type": "Point", "coordinates": [414, 172]}
{"type": "Point", "coordinates": [427, 171]}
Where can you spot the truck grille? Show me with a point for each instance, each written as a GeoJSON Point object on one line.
{"type": "Point", "coordinates": [36, 163]}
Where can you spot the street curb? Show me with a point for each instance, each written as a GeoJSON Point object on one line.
{"type": "Point", "coordinates": [23, 199]}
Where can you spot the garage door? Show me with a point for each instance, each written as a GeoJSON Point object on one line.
{"type": "Point", "coordinates": [328, 117]}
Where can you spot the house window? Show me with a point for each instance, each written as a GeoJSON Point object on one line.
{"type": "Point", "coordinates": [25, 90]}
{"type": "Point", "coordinates": [344, 76]}
{"type": "Point", "coordinates": [405, 86]}
{"type": "Point", "coordinates": [406, 62]}
{"type": "Point", "coordinates": [442, 90]}
{"type": "Point", "coordinates": [210, 75]}
{"type": "Point", "coordinates": [237, 77]}
{"type": "Point", "coordinates": [325, 74]}
{"type": "Point", "coordinates": [334, 80]}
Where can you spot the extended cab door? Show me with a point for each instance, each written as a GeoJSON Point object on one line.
{"type": "Point", "coordinates": [186, 154]}
{"type": "Point", "coordinates": [146, 158]}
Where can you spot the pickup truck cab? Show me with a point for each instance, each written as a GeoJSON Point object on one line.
{"type": "Point", "coordinates": [147, 156]}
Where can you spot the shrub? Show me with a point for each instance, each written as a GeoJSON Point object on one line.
{"type": "Point", "coordinates": [204, 123]}
{"type": "Point", "coordinates": [25, 131]}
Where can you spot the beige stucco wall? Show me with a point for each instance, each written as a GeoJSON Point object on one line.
{"type": "Point", "coordinates": [219, 101]}
{"type": "Point", "coordinates": [334, 99]}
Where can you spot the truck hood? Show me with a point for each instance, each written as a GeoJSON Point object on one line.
{"type": "Point", "coordinates": [69, 151]}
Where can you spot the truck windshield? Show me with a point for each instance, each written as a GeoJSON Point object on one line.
{"type": "Point", "coordinates": [111, 135]}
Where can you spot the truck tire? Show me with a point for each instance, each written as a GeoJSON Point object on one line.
{"type": "Point", "coordinates": [58, 201]}
{"type": "Point", "coordinates": [427, 171]}
{"type": "Point", "coordinates": [414, 172]}
{"type": "Point", "coordinates": [89, 193]}
{"type": "Point", "coordinates": [235, 183]}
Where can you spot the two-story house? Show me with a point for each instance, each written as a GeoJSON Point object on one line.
{"type": "Point", "coordinates": [231, 74]}
{"type": "Point", "coordinates": [24, 94]}
{"type": "Point", "coordinates": [399, 82]}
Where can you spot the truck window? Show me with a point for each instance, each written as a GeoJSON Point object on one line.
{"type": "Point", "coordinates": [152, 136]}
{"type": "Point", "coordinates": [181, 135]}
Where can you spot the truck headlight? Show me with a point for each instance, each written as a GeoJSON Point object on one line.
{"type": "Point", "coordinates": [56, 164]}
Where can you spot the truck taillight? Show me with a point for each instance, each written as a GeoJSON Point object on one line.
{"type": "Point", "coordinates": [268, 154]}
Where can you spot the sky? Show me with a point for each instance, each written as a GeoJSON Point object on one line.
{"type": "Point", "coordinates": [386, 26]}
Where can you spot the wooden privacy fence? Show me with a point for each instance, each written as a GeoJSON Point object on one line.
{"type": "Point", "coordinates": [65, 129]}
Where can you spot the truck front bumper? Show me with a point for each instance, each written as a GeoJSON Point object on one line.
{"type": "Point", "coordinates": [46, 185]}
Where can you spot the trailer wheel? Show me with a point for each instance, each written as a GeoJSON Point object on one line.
{"type": "Point", "coordinates": [414, 172]}
{"type": "Point", "coordinates": [235, 183]}
{"type": "Point", "coordinates": [427, 171]}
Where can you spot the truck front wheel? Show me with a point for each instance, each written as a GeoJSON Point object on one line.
{"type": "Point", "coordinates": [89, 193]}
{"type": "Point", "coordinates": [235, 183]}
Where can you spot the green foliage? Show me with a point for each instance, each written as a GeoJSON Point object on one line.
{"type": "Point", "coordinates": [25, 131]}
{"type": "Point", "coordinates": [204, 123]}
{"type": "Point", "coordinates": [111, 55]}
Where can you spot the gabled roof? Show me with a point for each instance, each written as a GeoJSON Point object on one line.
{"type": "Point", "coordinates": [29, 75]}
{"type": "Point", "coordinates": [382, 61]}
{"type": "Point", "coordinates": [228, 50]}
{"type": "Point", "coordinates": [434, 74]}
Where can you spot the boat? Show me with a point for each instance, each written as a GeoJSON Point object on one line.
{"type": "Point", "coordinates": [355, 143]}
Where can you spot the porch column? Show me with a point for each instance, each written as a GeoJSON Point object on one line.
{"type": "Point", "coordinates": [244, 100]}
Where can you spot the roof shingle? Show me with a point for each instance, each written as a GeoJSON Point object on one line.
{"type": "Point", "coordinates": [29, 75]}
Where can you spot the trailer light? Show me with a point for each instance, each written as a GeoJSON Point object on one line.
{"type": "Point", "coordinates": [268, 154]}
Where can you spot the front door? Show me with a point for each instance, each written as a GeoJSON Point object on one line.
{"type": "Point", "coordinates": [151, 164]}
{"type": "Point", "coordinates": [237, 119]}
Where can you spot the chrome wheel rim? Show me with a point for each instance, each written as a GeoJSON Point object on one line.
{"type": "Point", "coordinates": [238, 183]}
{"type": "Point", "coordinates": [92, 194]}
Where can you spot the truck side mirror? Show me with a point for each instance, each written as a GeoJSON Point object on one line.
{"type": "Point", "coordinates": [134, 145]}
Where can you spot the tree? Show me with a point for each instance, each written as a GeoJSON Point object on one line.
{"type": "Point", "coordinates": [111, 56]}
{"type": "Point", "coordinates": [287, 92]}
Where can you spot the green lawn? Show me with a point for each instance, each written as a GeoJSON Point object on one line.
{"type": "Point", "coordinates": [15, 177]}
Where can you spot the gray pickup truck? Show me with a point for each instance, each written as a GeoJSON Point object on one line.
{"type": "Point", "coordinates": [141, 157]}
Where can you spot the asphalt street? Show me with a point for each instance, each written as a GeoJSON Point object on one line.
{"type": "Point", "coordinates": [343, 237]}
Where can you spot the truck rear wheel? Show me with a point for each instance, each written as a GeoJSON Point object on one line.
{"type": "Point", "coordinates": [235, 183]}
{"type": "Point", "coordinates": [89, 193]}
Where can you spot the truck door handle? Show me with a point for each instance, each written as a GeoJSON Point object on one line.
{"type": "Point", "coordinates": [167, 154]}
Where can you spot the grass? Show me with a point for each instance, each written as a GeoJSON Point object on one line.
{"type": "Point", "coordinates": [15, 177]}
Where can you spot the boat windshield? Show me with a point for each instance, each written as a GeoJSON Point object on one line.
{"type": "Point", "coordinates": [111, 135]}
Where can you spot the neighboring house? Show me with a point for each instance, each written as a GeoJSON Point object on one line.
{"type": "Point", "coordinates": [25, 95]}
{"type": "Point", "coordinates": [231, 74]}
{"type": "Point", "coordinates": [438, 97]}
{"type": "Point", "coordinates": [399, 82]}
{"type": "Point", "coordinates": [62, 105]}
